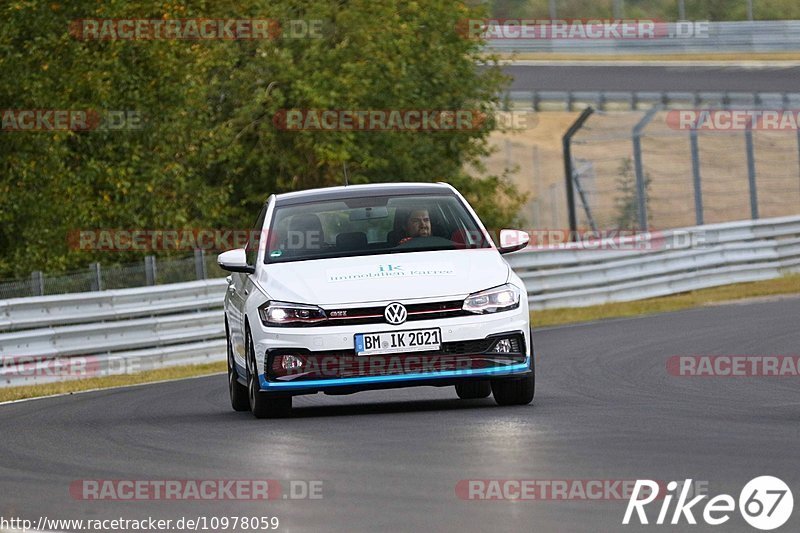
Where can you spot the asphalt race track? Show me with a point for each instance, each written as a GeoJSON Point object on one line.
{"type": "Point", "coordinates": [605, 408]}
{"type": "Point", "coordinates": [652, 78]}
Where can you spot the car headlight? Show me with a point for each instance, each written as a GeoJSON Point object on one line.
{"type": "Point", "coordinates": [493, 300]}
{"type": "Point", "coordinates": [283, 313]}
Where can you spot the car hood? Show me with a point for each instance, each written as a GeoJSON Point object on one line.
{"type": "Point", "coordinates": [379, 278]}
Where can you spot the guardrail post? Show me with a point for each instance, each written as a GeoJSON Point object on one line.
{"type": "Point", "coordinates": [698, 189]}
{"type": "Point", "coordinates": [634, 100]}
{"type": "Point", "coordinates": [97, 278]}
{"type": "Point", "coordinates": [570, 100]}
{"type": "Point", "coordinates": [751, 170]}
{"type": "Point", "coordinates": [37, 283]}
{"type": "Point", "coordinates": [641, 185]}
{"type": "Point", "coordinates": [150, 269]}
{"type": "Point", "coordinates": [200, 263]}
{"type": "Point", "coordinates": [535, 100]}
{"type": "Point", "coordinates": [566, 141]}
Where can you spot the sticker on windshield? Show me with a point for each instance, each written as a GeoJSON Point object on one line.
{"type": "Point", "coordinates": [391, 270]}
{"type": "Point", "coordinates": [276, 253]}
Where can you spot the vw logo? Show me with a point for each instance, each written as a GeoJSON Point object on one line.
{"type": "Point", "coordinates": [395, 313]}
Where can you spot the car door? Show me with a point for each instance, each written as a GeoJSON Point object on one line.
{"type": "Point", "coordinates": [240, 286]}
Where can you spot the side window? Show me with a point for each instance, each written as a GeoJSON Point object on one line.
{"type": "Point", "coordinates": [255, 237]}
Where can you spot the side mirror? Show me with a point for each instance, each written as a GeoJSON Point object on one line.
{"type": "Point", "coordinates": [235, 261]}
{"type": "Point", "coordinates": [512, 240]}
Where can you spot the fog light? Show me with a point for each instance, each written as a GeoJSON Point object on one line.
{"type": "Point", "coordinates": [502, 346]}
{"type": "Point", "coordinates": [291, 362]}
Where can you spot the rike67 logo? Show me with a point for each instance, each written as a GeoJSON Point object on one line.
{"type": "Point", "coordinates": [765, 503]}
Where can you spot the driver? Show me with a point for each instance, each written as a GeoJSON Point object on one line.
{"type": "Point", "coordinates": [417, 225]}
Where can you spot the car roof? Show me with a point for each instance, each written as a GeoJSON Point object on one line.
{"type": "Point", "coordinates": [361, 191]}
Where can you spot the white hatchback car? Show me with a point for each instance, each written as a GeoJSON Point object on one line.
{"type": "Point", "coordinates": [364, 287]}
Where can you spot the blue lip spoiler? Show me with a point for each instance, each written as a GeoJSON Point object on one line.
{"type": "Point", "coordinates": [313, 383]}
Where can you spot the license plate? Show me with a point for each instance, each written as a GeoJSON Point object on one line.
{"type": "Point", "coordinates": [417, 340]}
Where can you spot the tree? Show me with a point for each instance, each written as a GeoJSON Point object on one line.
{"type": "Point", "coordinates": [208, 153]}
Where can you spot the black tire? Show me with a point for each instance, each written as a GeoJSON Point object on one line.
{"type": "Point", "coordinates": [262, 405]}
{"type": "Point", "coordinates": [238, 392]}
{"type": "Point", "coordinates": [514, 391]}
{"type": "Point", "coordinates": [473, 390]}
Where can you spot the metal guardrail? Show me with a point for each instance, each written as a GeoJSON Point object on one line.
{"type": "Point", "coordinates": [675, 261]}
{"type": "Point", "coordinates": [81, 308]}
{"type": "Point", "coordinates": [150, 327]}
{"type": "Point", "coordinates": [641, 100]}
{"type": "Point", "coordinates": [744, 37]}
{"type": "Point", "coordinates": [49, 338]}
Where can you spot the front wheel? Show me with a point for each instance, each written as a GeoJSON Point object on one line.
{"type": "Point", "coordinates": [262, 405]}
{"type": "Point", "coordinates": [514, 391]}
{"type": "Point", "coordinates": [238, 392]}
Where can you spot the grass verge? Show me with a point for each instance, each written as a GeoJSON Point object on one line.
{"type": "Point", "coordinates": [550, 317]}
{"type": "Point", "coordinates": [738, 291]}
{"type": "Point", "coordinates": [106, 382]}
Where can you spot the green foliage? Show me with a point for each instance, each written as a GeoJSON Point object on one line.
{"type": "Point", "coordinates": [627, 202]}
{"type": "Point", "coordinates": [208, 153]}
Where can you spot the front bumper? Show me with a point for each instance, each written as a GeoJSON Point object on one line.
{"type": "Point", "coordinates": [332, 341]}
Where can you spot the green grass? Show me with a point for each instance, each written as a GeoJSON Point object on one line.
{"type": "Point", "coordinates": [550, 317]}
{"type": "Point", "coordinates": [738, 291]}
{"type": "Point", "coordinates": [121, 380]}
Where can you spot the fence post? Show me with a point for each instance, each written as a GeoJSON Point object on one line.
{"type": "Point", "coordinates": [751, 170]}
{"type": "Point", "coordinates": [698, 188]}
{"type": "Point", "coordinates": [97, 279]}
{"type": "Point", "coordinates": [566, 141]}
{"type": "Point", "coordinates": [641, 186]}
{"type": "Point", "coordinates": [37, 283]}
{"type": "Point", "coordinates": [150, 269]}
{"type": "Point", "coordinates": [200, 263]}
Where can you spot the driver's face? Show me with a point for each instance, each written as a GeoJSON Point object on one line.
{"type": "Point", "coordinates": [419, 224]}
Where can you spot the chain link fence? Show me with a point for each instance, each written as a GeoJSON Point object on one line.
{"type": "Point", "coordinates": [96, 277]}
{"type": "Point", "coordinates": [666, 177]}
{"type": "Point", "coordinates": [638, 167]}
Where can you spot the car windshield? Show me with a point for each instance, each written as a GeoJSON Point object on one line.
{"type": "Point", "coordinates": [370, 226]}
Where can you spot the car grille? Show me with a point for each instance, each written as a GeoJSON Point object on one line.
{"type": "Point", "coordinates": [462, 355]}
{"type": "Point", "coordinates": [374, 315]}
